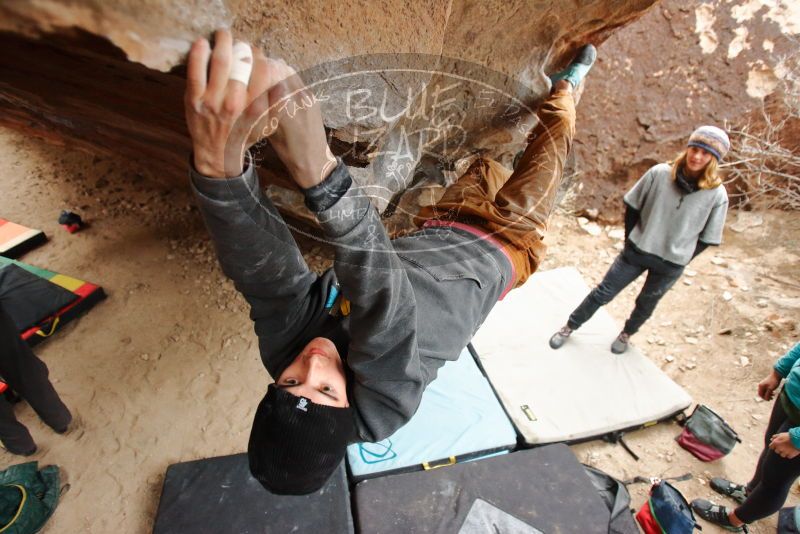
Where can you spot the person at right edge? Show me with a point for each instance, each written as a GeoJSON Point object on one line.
{"type": "Point", "coordinates": [779, 464]}
{"type": "Point", "coordinates": [672, 214]}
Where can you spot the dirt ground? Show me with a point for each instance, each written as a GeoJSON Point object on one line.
{"type": "Point", "coordinates": [167, 368]}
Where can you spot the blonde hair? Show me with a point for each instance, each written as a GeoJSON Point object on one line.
{"type": "Point", "coordinates": [710, 178]}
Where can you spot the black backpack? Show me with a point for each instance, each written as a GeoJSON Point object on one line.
{"type": "Point", "coordinates": [789, 520]}
{"type": "Point", "coordinates": [617, 499]}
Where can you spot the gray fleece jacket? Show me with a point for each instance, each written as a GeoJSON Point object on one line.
{"type": "Point", "coordinates": [415, 301]}
{"type": "Point", "coordinates": [672, 221]}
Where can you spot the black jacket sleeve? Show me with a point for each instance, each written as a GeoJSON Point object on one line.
{"type": "Point", "coordinates": [383, 352]}
{"type": "Point", "coordinates": [631, 218]}
{"type": "Point", "coordinates": [700, 247]}
{"type": "Point", "coordinates": [257, 251]}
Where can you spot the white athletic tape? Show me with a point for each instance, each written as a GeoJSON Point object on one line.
{"type": "Point", "coordinates": [241, 62]}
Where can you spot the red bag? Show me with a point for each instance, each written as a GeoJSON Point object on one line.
{"type": "Point", "coordinates": [646, 520]}
{"type": "Point", "coordinates": [701, 451]}
{"type": "Point", "coordinates": [706, 435]}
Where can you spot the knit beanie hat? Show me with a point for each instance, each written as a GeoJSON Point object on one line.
{"type": "Point", "coordinates": [712, 139]}
{"type": "Point", "coordinates": [295, 444]}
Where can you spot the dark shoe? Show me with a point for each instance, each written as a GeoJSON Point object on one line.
{"type": "Point", "coordinates": [29, 451]}
{"type": "Point", "coordinates": [715, 514]}
{"type": "Point", "coordinates": [64, 428]}
{"type": "Point", "coordinates": [737, 492]}
{"type": "Point", "coordinates": [560, 337]}
{"type": "Point", "coordinates": [620, 344]}
{"type": "Point", "coordinates": [73, 424]}
{"type": "Point", "coordinates": [579, 68]}
{"type": "Point", "coordinates": [61, 420]}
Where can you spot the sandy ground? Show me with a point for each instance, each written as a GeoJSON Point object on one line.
{"type": "Point", "coordinates": [167, 369]}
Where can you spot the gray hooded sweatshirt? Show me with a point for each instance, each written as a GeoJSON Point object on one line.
{"type": "Point", "coordinates": [415, 301]}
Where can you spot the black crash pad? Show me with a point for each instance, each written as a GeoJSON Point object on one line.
{"type": "Point", "coordinates": [219, 496]}
{"type": "Point", "coordinates": [538, 490]}
{"type": "Point", "coordinates": [28, 298]}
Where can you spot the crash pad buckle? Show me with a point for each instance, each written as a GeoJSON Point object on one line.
{"type": "Point", "coordinates": [427, 466]}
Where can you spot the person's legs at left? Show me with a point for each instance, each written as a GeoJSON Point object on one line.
{"type": "Point", "coordinates": [13, 434]}
{"type": "Point", "coordinates": [28, 376]}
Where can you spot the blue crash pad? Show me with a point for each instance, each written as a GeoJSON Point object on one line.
{"type": "Point", "coordinates": [459, 419]}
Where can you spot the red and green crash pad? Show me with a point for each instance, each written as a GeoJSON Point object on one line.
{"type": "Point", "coordinates": [42, 301]}
{"type": "Point", "coordinates": [16, 239]}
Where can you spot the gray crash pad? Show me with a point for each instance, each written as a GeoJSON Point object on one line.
{"type": "Point", "coordinates": [219, 496]}
{"type": "Point", "coordinates": [525, 492]}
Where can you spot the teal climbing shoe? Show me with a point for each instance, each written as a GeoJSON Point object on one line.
{"type": "Point", "coordinates": [579, 68]}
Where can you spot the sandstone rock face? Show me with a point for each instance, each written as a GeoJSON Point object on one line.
{"type": "Point", "coordinates": [409, 88]}
{"type": "Point", "coordinates": [683, 64]}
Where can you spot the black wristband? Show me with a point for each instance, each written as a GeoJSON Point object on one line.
{"type": "Point", "coordinates": [325, 194]}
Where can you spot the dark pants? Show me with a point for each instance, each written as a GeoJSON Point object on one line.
{"type": "Point", "coordinates": [774, 476]}
{"type": "Point", "coordinates": [626, 268]}
{"type": "Point", "coordinates": [27, 375]}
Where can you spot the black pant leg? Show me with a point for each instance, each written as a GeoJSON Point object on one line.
{"type": "Point", "coordinates": [655, 287]}
{"type": "Point", "coordinates": [776, 419]}
{"type": "Point", "coordinates": [28, 376]}
{"type": "Point", "coordinates": [621, 273]}
{"type": "Point", "coordinates": [775, 477]}
{"type": "Point", "coordinates": [13, 434]}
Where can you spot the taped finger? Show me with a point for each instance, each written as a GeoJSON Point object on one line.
{"type": "Point", "coordinates": [241, 62]}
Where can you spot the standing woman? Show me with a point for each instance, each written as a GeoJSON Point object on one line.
{"type": "Point", "coordinates": [779, 464]}
{"type": "Point", "coordinates": [671, 215]}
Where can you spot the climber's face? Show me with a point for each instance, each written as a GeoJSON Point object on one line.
{"type": "Point", "coordinates": [317, 373]}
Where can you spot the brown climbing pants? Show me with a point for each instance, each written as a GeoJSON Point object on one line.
{"type": "Point", "coordinates": [513, 207]}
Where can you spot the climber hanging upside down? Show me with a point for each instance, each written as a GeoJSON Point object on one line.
{"type": "Point", "coordinates": [414, 302]}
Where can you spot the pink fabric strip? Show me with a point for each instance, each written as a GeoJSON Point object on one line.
{"type": "Point", "coordinates": [486, 237]}
{"type": "Point", "coordinates": [702, 451]}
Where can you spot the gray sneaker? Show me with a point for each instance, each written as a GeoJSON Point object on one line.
{"type": "Point", "coordinates": [560, 337]}
{"type": "Point", "coordinates": [620, 344]}
{"type": "Point", "coordinates": [737, 492]}
{"type": "Point", "coordinates": [715, 514]}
